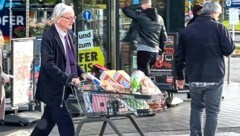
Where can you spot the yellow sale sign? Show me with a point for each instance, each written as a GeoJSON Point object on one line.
{"type": "Point", "coordinates": [88, 57]}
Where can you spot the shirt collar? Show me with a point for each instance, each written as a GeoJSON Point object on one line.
{"type": "Point", "coordinates": [60, 32]}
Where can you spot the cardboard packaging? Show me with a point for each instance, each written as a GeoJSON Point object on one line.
{"type": "Point", "coordinates": [108, 75]}
{"type": "Point", "coordinates": [122, 78]}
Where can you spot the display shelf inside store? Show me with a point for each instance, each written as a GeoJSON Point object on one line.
{"type": "Point", "coordinates": [34, 7]}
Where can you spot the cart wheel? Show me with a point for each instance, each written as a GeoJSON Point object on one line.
{"type": "Point", "coordinates": [2, 122]}
{"type": "Point", "coordinates": [22, 124]}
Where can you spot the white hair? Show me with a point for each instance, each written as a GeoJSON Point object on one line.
{"type": "Point", "coordinates": [60, 9]}
{"type": "Point", "coordinates": [210, 7]}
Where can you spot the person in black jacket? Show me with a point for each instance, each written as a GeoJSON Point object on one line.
{"type": "Point", "coordinates": [150, 34]}
{"type": "Point", "coordinates": [58, 63]}
{"type": "Point", "coordinates": [200, 53]}
{"type": "Point", "coordinates": [196, 10]}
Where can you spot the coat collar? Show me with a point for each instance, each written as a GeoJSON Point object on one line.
{"type": "Point", "coordinates": [205, 17]}
{"type": "Point", "coordinates": [58, 39]}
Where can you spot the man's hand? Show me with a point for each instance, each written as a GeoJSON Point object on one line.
{"type": "Point", "coordinates": [160, 58]}
{"type": "Point", "coordinates": [180, 84]}
{"type": "Point", "coordinates": [146, 6]}
{"type": "Point", "coordinates": [75, 81]}
{"type": "Point", "coordinates": [84, 76]}
{"type": "Point", "coordinates": [6, 78]}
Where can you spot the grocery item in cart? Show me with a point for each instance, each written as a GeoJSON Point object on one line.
{"type": "Point", "coordinates": [110, 86]}
{"type": "Point", "coordinates": [87, 87]}
{"type": "Point", "coordinates": [99, 102]}
{"type": "Point", "coordinates": [148, 87]}
{"type": "Point", "coordinates": [122, 78]}
{"type": "Point", "coordinates": [136, 78]}
{"type": "Point", "coordinates": [108, 75]}
{"type": "Point", "coordinates": [137, 104]}
{"type": "Point", "coordinates": [87, 99]}
{"type": "Point", "coordinates": [105, 84]}
{"type": "Point", "coordinates": [134, 104]}
{"type": "Point", "coordinates": [157, 105]}
{"type": "Point", "coordinates": [93, 79]}
{"type": "Point", "coordinates": [119, 88]}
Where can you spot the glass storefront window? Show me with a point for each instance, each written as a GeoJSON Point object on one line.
{"type": "Point", "coordinates": [128, 49]}
{"type": "Point", "coordinates": [92, 33]}
{"type": "Point", "coordinates": [189, 5]}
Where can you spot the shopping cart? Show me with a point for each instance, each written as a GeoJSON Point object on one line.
{"type": "Point", "coordinates": [98, 105]}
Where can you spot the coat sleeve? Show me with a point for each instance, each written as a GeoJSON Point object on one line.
{"type": "Point", "coordinates": [179, 59]}
{"type": "Point", "coordinates": [226, 42]}
{"type": "Point", "coordinates": [131, 11]}
{"type": "Point", "coordinates": [162, 36]}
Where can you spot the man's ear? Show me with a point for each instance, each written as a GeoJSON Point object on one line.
{"type": "Point", "coordinates": [57, 20]}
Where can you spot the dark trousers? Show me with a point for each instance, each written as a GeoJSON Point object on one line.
{"type": "Point", "coordinates": [145, 60]}
{"type": "Point", "coordinates": [55, 115]}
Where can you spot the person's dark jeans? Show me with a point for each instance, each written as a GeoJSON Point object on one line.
{"type": "Point", "coordinates": [145, 60]}
{"type": "Point", "coordinates": [208, 98]}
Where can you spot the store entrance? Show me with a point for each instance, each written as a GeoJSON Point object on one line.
{"type": "Point", "coordinates": [92, 33]}
{"type": "Point", "coordinates": [128, 58]}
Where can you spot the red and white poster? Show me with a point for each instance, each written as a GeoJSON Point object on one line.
{"type": "Point", "coordinates": [22, 60]}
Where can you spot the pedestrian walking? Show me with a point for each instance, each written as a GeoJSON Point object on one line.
{"type": "Point", "coordinates": [151, 34]}
{"type": "Point", "coordinates": [196, 10]}
{"type": "Point", "coordinates": [58, 63]}
{"type": "Point", "coordinates": [200, 53]}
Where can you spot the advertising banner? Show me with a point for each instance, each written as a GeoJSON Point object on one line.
{"type": "Point", "coordinates": [22, 60]}
{"type": "Point", "coordinates": [85, 40]}
{"type": "Point", "coordinates": [88, 57]}
{"type": "Point", "coordinates": [18, 19]}
{"type": "Point", "coordinates": [88, 53]}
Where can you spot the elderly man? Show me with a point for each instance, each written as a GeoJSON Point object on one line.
{"type": "Point", "coordinates": [58, 62]}
{"type": "Point", "coordinates": [200, 51]}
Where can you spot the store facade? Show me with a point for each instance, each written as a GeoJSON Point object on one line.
{"type": "Point", "coordinates": [101, 26]}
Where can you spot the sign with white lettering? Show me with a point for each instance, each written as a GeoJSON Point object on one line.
{"type": "Point", "coordinates": [18, 18]}
{"type": "Point", "coordinates": [233, 3]}
{"type": "Point", "coordinates": [85, 40]}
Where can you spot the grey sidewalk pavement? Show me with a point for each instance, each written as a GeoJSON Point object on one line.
{"type": "Point", "coordinates": [174, 121]}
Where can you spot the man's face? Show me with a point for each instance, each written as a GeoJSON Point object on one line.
{"type": "Point", "coordinates": [199, 12]}
{"type": "Point", "coordinates": [66, 21]}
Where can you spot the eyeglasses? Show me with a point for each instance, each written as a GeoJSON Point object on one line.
{"type": "Point", "coordinates": [69, 18]}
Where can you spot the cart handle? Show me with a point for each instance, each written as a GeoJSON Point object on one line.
{"type": "Point", "coordinates": [68, 81]}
